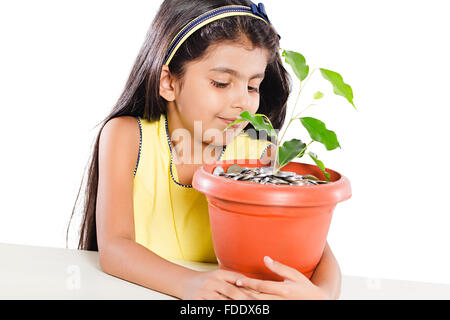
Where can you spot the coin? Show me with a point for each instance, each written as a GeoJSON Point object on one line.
{"type": "Point", "coordinates": [294, 178]}
{"type": "Point", "coordinates": [264, 175]}
{"type": "Point", "coordinates": [310, 177]}
{"type": "Point", "coordinates": [280, 181]}
{"type": "Point", "coordinates": [247, 177]}
{"type": "Point", "coordinates": [248, 171]}
{"type": "Point", "coordinates": [232, 175]}
{"type": "Point", "coordinates": [266, 169]}
{"type": "Point", "coordinates": [265, 180]}
{"type": "Point", "coordinates": [235, 168]}
{"type": "Point", "coordinates": [285, 174]}
{"type": "Point", "coordinates": [218, 171]}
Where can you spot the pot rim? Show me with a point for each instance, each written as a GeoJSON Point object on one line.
{"type": "Point", "coordinates": [270, 195]}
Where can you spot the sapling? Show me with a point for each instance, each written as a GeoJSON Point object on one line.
{"type": "Point", "coordinates": [317, 130]}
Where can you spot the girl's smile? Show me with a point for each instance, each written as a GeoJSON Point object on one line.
{"type": "Point", "coordinates": [230, 120]}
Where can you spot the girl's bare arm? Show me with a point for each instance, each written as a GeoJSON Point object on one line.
{"type": "Point", "coordinates": [328, 274]}
{"type": "Point", "coordinates": [120, 255]}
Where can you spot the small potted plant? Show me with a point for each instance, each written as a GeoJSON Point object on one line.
{"type": "Point", "coordinates": [258, 211]}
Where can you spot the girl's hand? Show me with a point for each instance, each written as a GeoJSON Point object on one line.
{"type": "Point", "coordinates": [295, 285]}
{"type": "Point", "coordinates": [216, 285]}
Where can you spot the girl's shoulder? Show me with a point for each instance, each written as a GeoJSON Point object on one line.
{"type": "Point", "coordinates": [126, 126]}
{"type": "Point", "coordinates": [119, 142]}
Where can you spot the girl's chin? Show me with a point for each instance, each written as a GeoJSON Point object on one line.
{"type": "Point", "coordinates": [227, 138]}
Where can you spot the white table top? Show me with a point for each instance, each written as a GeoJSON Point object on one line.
{"type": "Point", "coordinates": [28, 272]}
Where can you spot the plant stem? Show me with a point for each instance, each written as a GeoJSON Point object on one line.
{"type": "Point", "coordinates": [304, 149]}
{"type": "Point", "coordinates": [277, 164]}
{"type": "Point", "coordinates": [298, 116]}
{"type": "Point", "coordinates": [276, 169]}
{"type": "Point", "coordinates": [277, 146]}
{"type": "Point", "coordinates": [282, 137]}
{"type": "Point", "coordinates": [296, 102]}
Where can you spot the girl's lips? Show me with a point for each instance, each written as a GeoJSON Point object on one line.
{"type": "Point", "coordinates": [230, 121]}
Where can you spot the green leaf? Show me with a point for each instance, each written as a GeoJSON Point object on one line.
{"type": "Point", "coordinates": [318, 95]}
{"type": "Point", "coordinates": [302, 153]}
{"type": "Point", "coordinates": [339, 86]}
{"type": "Point", "coordinates": [289, 151]}
{"type": "Point", "coordinates": [320, 165]}
{"type": "Point", "coordinates": [258, 122]}
{"type": "Point", "coordinates": [318, 132]}
{"type": "Point", "coordinates": [298, 64]}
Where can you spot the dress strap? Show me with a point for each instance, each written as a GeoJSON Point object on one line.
{"type": "Point", "coordinates": [262, 154]}
{"type": "Point", "coordinates": [140, 145]}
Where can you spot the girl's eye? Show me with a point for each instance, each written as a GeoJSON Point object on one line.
{"type": "Point", "coordinates": [219, 85]}
{"type": "Point", "coordinates": [224, 85]}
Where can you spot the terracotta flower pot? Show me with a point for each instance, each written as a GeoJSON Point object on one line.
{"type": "Point", "coordinates": [288, 223]}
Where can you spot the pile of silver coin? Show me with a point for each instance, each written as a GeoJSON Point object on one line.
{"type": "Point", "coordinates": [264, 175]}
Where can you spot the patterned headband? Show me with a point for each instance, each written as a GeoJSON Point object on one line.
{"type": "Point", "coordinates": [258, 12]}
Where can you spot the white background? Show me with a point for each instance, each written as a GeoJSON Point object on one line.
{"type": "Point", "coordinates": [63, 65]}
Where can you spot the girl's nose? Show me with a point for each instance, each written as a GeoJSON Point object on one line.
{"type": "Point", "coordinates": [242, 98]}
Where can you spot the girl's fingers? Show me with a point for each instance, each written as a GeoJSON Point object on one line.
{"type": "Point", "coordinates": [222, 297]}
{"type": "Point", "coordinates": [263, 286]}
{"type": "Point", "coordinates": [283, 270]}
{"type": "Point", "coordinates": [264, 296]}
{"type": "Point", "coordinates": [261, 296]}
{"type": "Point", "coordinates": [233, 292]}
{"type": "Point", "coordinates": [252, 294]}
{"type": "Point", "coordinates": [230, 276]}
{"type": "Point", "coordinates": [216, 296]}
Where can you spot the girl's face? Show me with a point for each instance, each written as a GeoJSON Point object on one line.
{"type": "Point", "coordinates": [220, 86]}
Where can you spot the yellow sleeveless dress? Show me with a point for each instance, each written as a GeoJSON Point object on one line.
{"type": "Point", "coordinates": [170, 219]}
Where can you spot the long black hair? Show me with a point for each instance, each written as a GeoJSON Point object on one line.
{"type": "Point", "coordinates": [140, 96]}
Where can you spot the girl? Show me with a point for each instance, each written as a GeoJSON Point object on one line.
{"type": "Point", "coordinates": [203, 63]}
